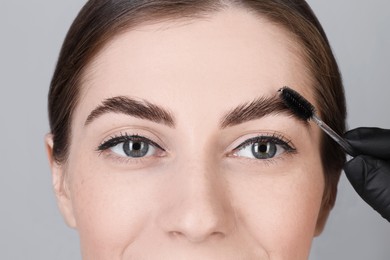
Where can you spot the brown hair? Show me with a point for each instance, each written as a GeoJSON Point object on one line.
{"type": "Point", "coordinates": [101, 20]}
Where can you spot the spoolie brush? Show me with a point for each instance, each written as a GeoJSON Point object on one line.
{"type": "Point", "coordinates": [306, 111]}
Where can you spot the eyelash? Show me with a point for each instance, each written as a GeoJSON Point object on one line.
{"type": "Point", "coordinates": [122, 138]}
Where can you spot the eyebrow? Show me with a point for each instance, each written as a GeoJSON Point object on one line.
{"type": "Point", "coordinates": [248, 111]}
{"type": "Point", "coordinates": [258, 108]}
{"type": "Point", "coordinates": [128, 106]}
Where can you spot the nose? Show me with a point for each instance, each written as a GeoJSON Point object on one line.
{"type": "Point", "coordinates": [197, 206]}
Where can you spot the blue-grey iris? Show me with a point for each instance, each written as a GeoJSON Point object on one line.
{"type": "Point", "coordinates": [135, 148]}
{"type": "Point", "coordinates": [264, 150]}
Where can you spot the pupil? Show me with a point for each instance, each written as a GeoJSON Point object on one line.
{"type": "Point", "coordinates": [136, 146]}
{"type": "Point", "coordinates": [263, 148]}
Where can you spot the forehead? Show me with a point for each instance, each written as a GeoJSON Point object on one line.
{"type": "Point", "coordinates": [231, 55]}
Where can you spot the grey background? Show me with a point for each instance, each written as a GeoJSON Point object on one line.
{"type": "Point", "coordinates": [31, 35]}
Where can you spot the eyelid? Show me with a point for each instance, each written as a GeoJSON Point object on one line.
{"type": "Point", "coordinates": [273, 136]}
{"type": "Point", "coordinates": [150, 133]}
{"type": "Point", "coordinates": [280, 140]}
{"type": "Point", "coordinates": [115, 140]}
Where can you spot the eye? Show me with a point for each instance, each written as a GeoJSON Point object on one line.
{"type": "Point", "coordinates": [263, 147]}
{"type": "Point", "coordinates": [134, 149]}
{"type": "Point", "coordinates": [133, 146]}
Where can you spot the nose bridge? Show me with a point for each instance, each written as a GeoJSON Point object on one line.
{"type": "Point", "coordinates": [200, 206]}
{"type": "Point", "coordinates": [205, 185]}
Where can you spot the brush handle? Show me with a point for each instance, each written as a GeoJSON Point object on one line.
{"type": "Point", "coordinates": [329, 131]}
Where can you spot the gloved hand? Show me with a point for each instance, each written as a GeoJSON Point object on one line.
{"type": "Point", "coordinates": [369, 173]}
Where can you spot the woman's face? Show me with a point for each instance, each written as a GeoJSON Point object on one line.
{"type": "Point", "coordinates": [156, 168]}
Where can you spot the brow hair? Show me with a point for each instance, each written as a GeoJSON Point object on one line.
{"type": "Point", "coordinates": [129, 106]}
{"type": "Point", "coordinates": [256, 109]}
{"type": "Point", "coordinates": [245, 112]}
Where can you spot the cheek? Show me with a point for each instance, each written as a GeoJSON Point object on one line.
{"type": "Point", "coordinates": [281, 211]}
{"type": "Point", "coordinates": [110, 209]}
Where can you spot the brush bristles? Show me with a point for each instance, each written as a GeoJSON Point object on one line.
{"type": "Point", "coordinates": [298, 104]}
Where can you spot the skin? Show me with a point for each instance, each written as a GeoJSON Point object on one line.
{"type": "Point", "coordinates": [199, 199]}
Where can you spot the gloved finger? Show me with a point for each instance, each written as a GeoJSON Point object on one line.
{"type": "Point", "coordinates": [370, 177]}
{"type": "Point", "coordinates": [370, 141]}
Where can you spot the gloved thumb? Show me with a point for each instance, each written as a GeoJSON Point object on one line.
{"type": "Point", "coordinates": [370, 177]}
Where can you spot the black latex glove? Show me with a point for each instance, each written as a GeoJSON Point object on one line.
{"type": "Point", "coordinates": [369, 173]}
